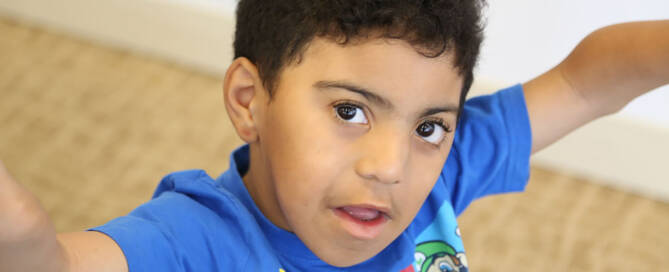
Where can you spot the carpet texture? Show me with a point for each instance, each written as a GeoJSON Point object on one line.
{"type": "Point", "coordinates": [91, 130]}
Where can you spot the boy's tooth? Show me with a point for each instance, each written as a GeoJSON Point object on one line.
{"type": "Point", "coordinates": [361, 213]}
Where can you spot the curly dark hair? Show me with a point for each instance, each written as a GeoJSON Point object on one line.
{"type": "Point", "coordinates": [274, 33]}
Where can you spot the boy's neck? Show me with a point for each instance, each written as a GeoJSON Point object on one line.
{"type": "Point", "coordinates": [261, 188]}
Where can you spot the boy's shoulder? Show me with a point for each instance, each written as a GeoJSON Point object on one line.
{"type": "Point", "coordinates": [192, 223]}
{"type": "Point", "coordinates": [491, 148]}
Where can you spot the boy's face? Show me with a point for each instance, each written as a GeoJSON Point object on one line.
{"type": "Point", "coordinates": [351, 143]}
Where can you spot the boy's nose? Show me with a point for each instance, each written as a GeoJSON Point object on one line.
{"type": "Point", "coordinates": [383, 158]}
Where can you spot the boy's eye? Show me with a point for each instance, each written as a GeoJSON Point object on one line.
{"type": "Point", "coordinates": [351, 113]}
{"type": "Point", "coordinates": [431, 132]}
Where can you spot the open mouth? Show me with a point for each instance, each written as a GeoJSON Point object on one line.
{"type": "Point", "coordinates": [362, 221]}
{"type": "Point", "coordinates": [362, 213]}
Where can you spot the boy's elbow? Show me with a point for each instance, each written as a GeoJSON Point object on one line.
{"type": "Point", "coordinates": [606, 69]}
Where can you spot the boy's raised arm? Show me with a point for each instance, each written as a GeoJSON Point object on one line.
{"type": "Point", "coordinates": [28, 240]}
{"type": "Point", "coordinates": [609, 68]}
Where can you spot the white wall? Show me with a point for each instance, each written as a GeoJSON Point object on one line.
{"type": "Point", "coordinates": [524, 38]}
{"type": "Point", "coordinates": [195, 33]}
{"type": "Point", "coordinates": [527, 37]}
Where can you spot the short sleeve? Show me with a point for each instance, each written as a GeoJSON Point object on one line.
{"type": "Point", "coordinates": [144, 239]}
{"type": "Point", "coordinates": [174, 232]}
{"type": "Point", "coordinates": [491, 149]}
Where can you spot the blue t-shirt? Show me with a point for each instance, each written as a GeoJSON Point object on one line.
{"type": "Point", "coordinates": [196, 223]}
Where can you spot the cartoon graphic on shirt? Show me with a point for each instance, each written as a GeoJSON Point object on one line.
{"type": "Point", "coordinates": [437, 256]}
{"type": "Point", "coordinates": [439, 246]}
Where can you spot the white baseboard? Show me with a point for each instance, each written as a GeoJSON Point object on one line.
{"type": "Point", "coordinates": [195, 33]}
{"type": "Point", "coordinates": [627, 154]}
{"type": "Point", "coordinates": [624, 153]}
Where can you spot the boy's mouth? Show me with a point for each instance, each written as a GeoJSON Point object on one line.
{"type": "Point", "coordinates": [362, 221]}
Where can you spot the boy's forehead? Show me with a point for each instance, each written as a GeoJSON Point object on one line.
{"type": "Point", "coordinates": [391, 69]}
{"type": "Point", "coordinates": [389, 62]}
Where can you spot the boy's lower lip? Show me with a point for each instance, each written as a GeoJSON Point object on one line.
{"type": "Point", "coordinates": [361, 229]}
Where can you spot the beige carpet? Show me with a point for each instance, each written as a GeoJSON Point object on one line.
{"type": "Point", "coordinates": [91, 130]}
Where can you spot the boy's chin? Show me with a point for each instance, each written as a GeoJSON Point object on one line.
{"type": "Point", "coordinates": [343, 261]}
{"type": "Point", "coordinates": [349, 255]}
{"type": "Point", "coordinates": [346, 242]}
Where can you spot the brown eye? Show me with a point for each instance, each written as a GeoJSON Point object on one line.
{"type": "Point", "coordinates": [431, 132]}
{"type": "Point", "coordinates": [425, 129]}
{"type": "Point", "coordinates": [346, 112]}
{"type": "Point", "coordinates": [350, 113]}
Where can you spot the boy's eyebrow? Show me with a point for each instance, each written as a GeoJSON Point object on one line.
{"type": "Point", "coordinates": [371, 96]}
{"type": "Point", "coordinates": [447, 109]}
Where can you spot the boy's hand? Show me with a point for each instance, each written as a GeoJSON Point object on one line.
{"type": "Point", "coordinates": [28, 240]}
{"type": "Point", "coordinates": [609, 68]}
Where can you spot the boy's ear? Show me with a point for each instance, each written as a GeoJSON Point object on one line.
{"type": "Point", "coordinates": [243, 92]}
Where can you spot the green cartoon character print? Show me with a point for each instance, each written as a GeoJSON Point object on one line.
{"type": "Point", "coordinates": [438, 256]}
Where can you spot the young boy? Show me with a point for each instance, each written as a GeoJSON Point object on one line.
{"type": "Point", "coordinates": [353, 161]}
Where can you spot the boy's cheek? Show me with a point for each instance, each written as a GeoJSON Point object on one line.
{"type": "Point", "coordinates": [421, 178]}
